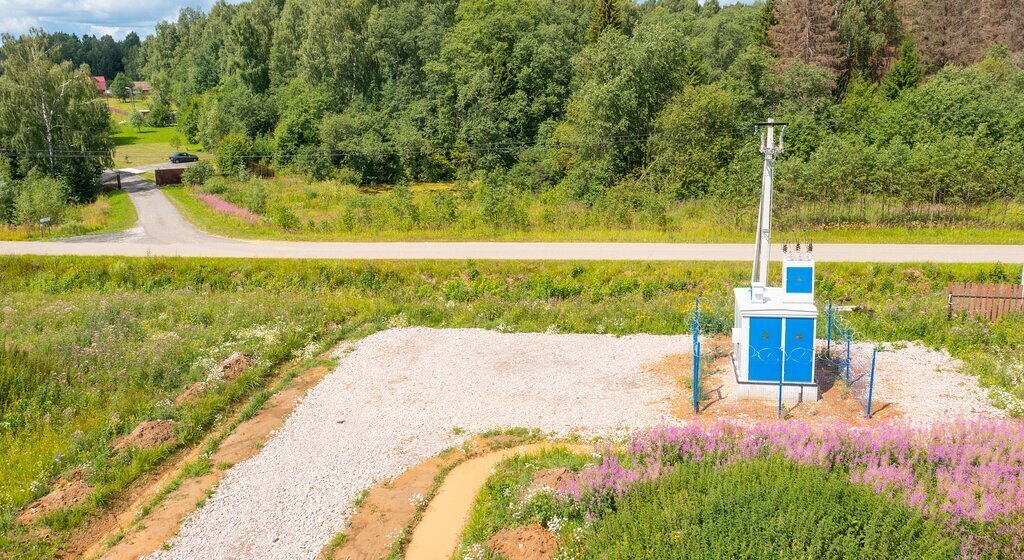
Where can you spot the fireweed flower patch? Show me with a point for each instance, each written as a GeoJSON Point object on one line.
{"type": "Point", "coordinates": [970, 474]}
{"type": "Point", "coordinates": [224, 207]}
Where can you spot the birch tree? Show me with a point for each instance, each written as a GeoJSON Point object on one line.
{"type": "Point", "coordinates": [50, 115]}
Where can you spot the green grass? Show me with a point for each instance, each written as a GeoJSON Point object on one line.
{"type": "Point", "coordinates": [762, 509]}
{"type": "Point", "coordinates": [111, 212]}
{"type": "Point", "coordinates": [330, 210]}
{"type": "Point", "coordinates": [147, 145]}
{"type": "Point", "coordinates": [108, 342]}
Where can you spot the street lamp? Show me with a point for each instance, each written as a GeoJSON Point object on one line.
{"type": "Point", "coordinates": [131, 96]}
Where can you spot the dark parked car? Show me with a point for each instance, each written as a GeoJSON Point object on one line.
{"type": "Point", "coordinates": [183, 157]}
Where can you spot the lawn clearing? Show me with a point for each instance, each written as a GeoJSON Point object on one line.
{"type": "Point", "coordinates": [147, 145]}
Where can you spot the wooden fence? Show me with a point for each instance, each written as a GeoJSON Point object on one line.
{"type": "Point", "coordinates": [989, 301]}
{"type": "Point", "coordinates": [169, 176]}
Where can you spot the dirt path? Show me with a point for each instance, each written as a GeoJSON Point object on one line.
{"type": "Point", "coordinates": [134, 540]}
{"type": "Point", "coordinates": [437, 535]}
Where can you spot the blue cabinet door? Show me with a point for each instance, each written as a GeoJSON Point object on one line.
{"type": "Point", "coordinates": [800, 280]}
{"type": "Point", "coordinates": [799, 350]}
{"type": "Point", "coordinates": [765, 348]}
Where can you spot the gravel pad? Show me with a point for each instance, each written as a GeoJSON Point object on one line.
{"type": "Point", "coordinates": [393, 402]}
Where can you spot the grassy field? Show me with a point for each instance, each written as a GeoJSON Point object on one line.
{"type": "Point", "coordinates": [111, 212]}
{"type": "Point", "coordinates": [296, 209]}
{"type": "Point", "coordinates": [93, 346]}
{"type": "Point", "coordinates": [147, 145]}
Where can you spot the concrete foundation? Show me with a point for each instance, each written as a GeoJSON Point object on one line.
{"type": "Point", "coordinates": [770, 392]}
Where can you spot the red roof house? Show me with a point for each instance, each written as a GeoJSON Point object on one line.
{"type": "Point", "coordinates": [101, 83]}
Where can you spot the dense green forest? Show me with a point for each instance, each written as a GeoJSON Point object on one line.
{"type": "Point", "coordinates": [899, 105]}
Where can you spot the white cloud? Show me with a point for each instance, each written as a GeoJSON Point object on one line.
{"type": "Point", "coordinates": [95, 17]}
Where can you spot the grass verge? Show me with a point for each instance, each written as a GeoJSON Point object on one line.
{"type": "Point", "coordinates": [110, 213]}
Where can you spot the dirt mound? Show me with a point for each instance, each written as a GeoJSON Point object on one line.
{"type": "Point", "coordinates": [71, 489]}
{"type": "Point", "coordinates": [531, 542]}
{"type": "Point", "coordinates": [191, 392]}
{"type": "Point", "coordinates": [234, 365]}
{"type": "Point", "coordinates": [549, 479]}
{"type": "Point", "coordinates": [147, 434]}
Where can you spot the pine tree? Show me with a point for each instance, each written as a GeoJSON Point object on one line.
{"type": "Point", "coordinates": [905, 73]}
{"type": "Point", "coordinates": [945, 31]}
{"type": "Point", "coordinates": [606, 14]}
{"type": "Point", "coordinates": [1002, 21]}
{"type": "Point", "coordinates": [806, 31]}
{"type": "Point", "coordinates": [765, 21]}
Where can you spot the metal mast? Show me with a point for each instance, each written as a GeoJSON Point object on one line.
{"type": "Point", "coordinates": [762, 245]}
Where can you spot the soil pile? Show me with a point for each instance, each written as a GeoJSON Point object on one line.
{"type": "Point", "coordinates": [147, 434]}
{"type": "Point", "coordinates": [71, 489]}
{"type": "Point", "coordinates": [531, 542]}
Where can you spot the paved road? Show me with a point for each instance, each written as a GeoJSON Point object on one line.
{"type": "Point", "coordinates": [162, 231]}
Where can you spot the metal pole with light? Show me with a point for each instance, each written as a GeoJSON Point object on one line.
{"type": "Point", "coordinates": [131, 96]}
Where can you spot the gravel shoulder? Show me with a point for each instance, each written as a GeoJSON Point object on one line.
{"type": "Point", "coordinates": [393, 402]}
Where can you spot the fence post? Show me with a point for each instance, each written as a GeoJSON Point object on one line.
{"type": "Point", "coordinates": [847, 358]}
{"type": "Point", "coordinates": [780, 391]}
{"type": "Point", "coordinates": [828, 333]}
{"type": "Point", "coordinates": [871, 382]}
{"type": "Point", "coordinates": [695, 379]}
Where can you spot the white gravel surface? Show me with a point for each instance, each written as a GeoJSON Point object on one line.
{"type": "Point", "coordinates": [926, 386]}
{"type": "Point", "coordinates": [393, 402]}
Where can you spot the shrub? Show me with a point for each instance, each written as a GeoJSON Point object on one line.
{"type": "Point", "coordinates": [40, 198]}
{"type": "Point", "coordinates": [215, 185]}
{"type": "Point", "coordinates": [254, 197]}
{"type": "Point", "coordinates": [7, 197]}
{"type": "Point", "coordinates": [284, 218]}
{"type": "Point", "coordinates": [232, 155]}
{"type": "Point", "coordinates": [198, 173]}
{"type": "Point", "coordinates": [313, 162]}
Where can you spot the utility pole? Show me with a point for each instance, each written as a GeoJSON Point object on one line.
{"type": "Point", "coordinates": [771, 148]}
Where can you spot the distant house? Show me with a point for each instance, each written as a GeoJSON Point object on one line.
{"type": "Point", "coordinates": [101, 84]}
{"type": "Point", "coordinates": [141, 88]}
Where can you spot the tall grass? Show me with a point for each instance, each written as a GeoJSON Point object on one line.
{"type": "Point", "coordinates": [333, 210]}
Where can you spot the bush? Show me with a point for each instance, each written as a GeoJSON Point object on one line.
{"type": "Point", "coordinates": [198, 173]}
{"type": "Point", "coordinates": [284, 218]}
{"type": "Point", "coordinates": [254, 197]}
{"type": "Point", "coordinates": [40, 198]}
{"type": "Point", "coordinates": [7, 196]}
{"type": "Point", "coordinates": [313, 163]}
{"type": "Point", "coordinates": [232, 155]}
{"type": "Point", "coordinates": [215, 185]}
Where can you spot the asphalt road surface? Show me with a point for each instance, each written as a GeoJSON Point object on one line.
{"type": "Point", "coordinates": [162, 231]}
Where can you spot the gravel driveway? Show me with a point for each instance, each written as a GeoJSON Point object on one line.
{"type": "Point", "coordinates": [394, 400]}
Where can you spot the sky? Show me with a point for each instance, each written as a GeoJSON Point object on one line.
{"type": "Point", "coordinates": [99, 17]}
{"type": "Point", "coordinates": [94, 17]}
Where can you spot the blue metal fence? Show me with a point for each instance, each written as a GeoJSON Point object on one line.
{"type": "Point", "coordinates": [695, 380]}
{"type": "Point", "coordinates": [853, 361]}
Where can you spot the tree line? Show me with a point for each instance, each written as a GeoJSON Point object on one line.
{"type": "Point", "coordinates": [913, 101]}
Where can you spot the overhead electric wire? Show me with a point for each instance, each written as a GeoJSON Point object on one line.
{"type": "Point", "coordinates": [506, 147]}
